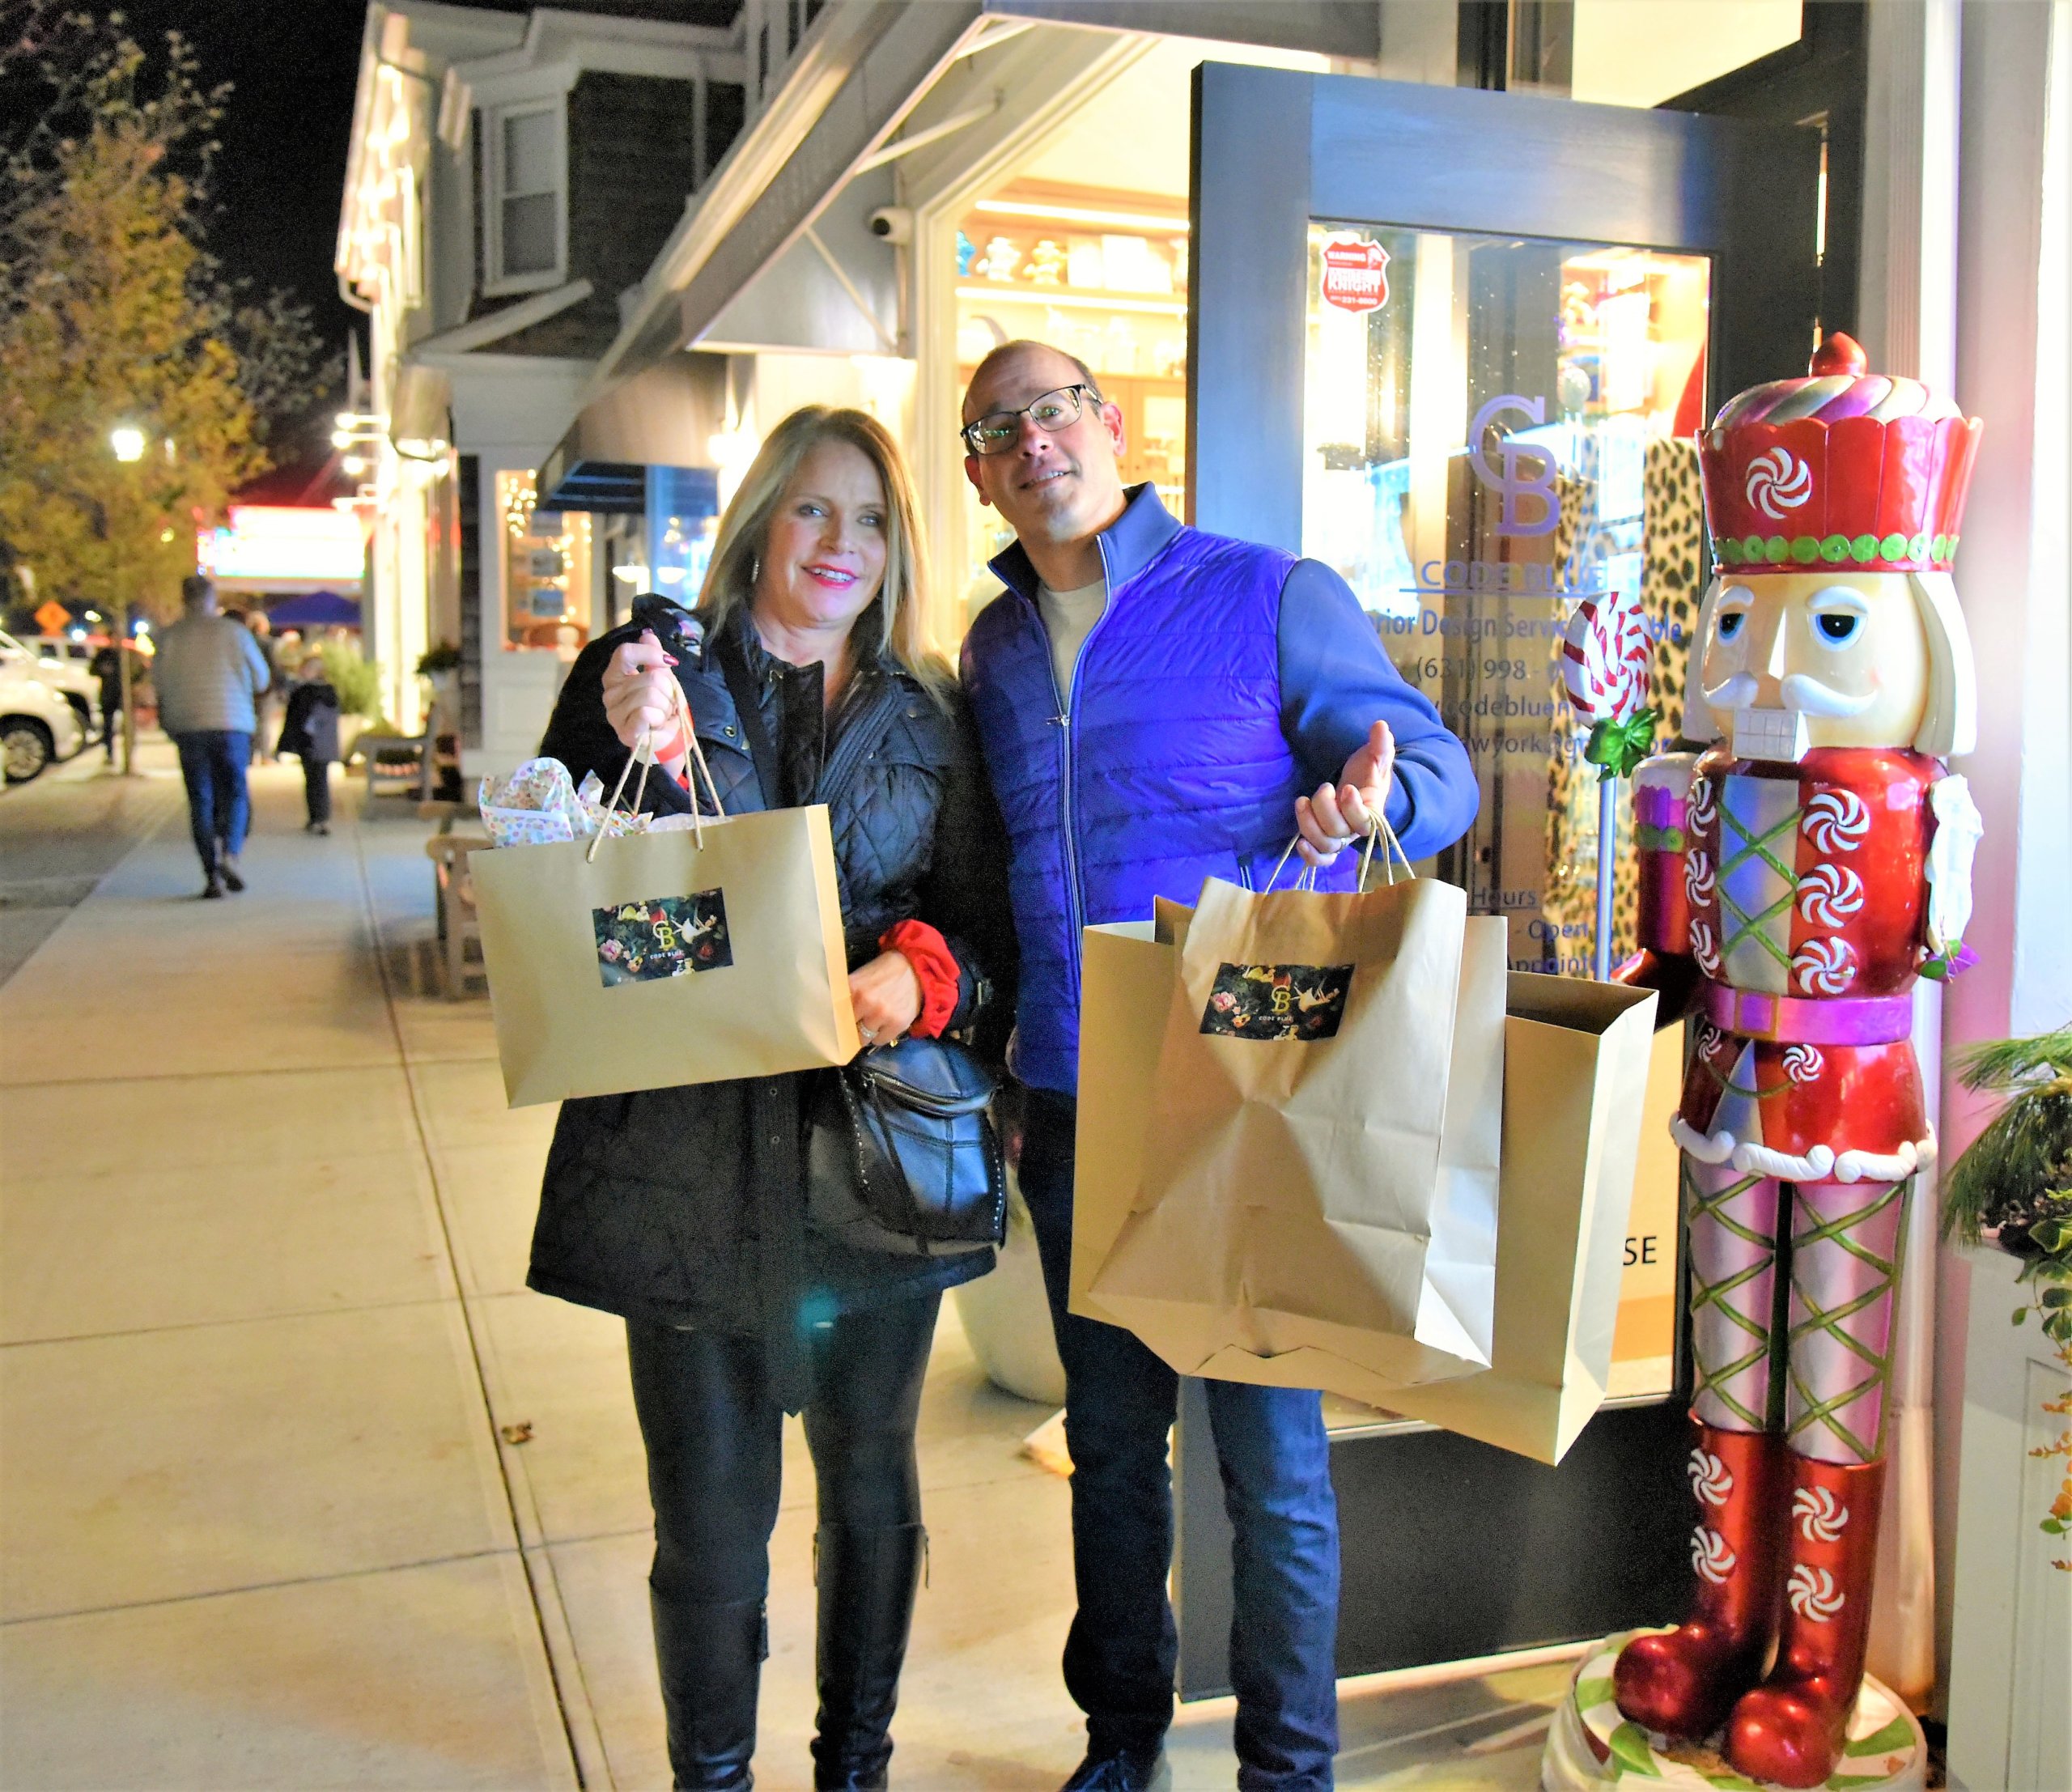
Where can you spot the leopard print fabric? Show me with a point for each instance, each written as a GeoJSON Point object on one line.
{"type": "Point", "coordinates": [1672, 543]}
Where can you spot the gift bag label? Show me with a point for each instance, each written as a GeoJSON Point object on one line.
{"type": "Point", "coordinates": [1277, 1002]}
{"type": "Point", "coordinates": [661, 936]}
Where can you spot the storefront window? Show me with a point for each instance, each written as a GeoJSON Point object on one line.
{"type": "Point", "coordinates": [548, 571]}
{"type": "Point", "coordinates": [683, 517]}
{"type": "Point", "coordinates": [1103, 275]}
{"type": "Point", "coordinates": [1494, 430]}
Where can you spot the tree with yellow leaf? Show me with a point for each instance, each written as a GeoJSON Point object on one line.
{"type": "Point", "coordinates": [111, 320]}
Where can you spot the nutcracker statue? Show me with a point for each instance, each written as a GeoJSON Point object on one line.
{"type": "Point", "coordinates": [1807, 866]}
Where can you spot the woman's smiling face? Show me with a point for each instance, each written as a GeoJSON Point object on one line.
{"type": "Point", "coordinates": [823, 560]}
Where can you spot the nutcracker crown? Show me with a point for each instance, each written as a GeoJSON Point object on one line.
{"type": "Point", "coordinates": [1844, 468]}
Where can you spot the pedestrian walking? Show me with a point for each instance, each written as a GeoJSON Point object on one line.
{"type": "Point", "coordinates": [272, 700]}
{"type": "Point", "coordinates": [1157, 705]}
{"type": "Point", "coordinates": [310, 732]}
{"type": "Point", "coordinates": [208, 672]}
{"type": "Point", "coordinates": [107, 666]}
{"type": "Point", "coordinates": [808, 680]}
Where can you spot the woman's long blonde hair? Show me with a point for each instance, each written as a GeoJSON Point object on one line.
{"type": "Point", "coordinates": [738, 549]}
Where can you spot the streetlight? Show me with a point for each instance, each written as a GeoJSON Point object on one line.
{"type": "Point", "coordinates": [128, 442]}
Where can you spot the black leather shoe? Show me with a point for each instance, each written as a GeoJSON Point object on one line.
{"type": "Point", "coordinates": [710, 1659]}
{"type": "Point", "coordinates": [1126, 1770]}
{"type": "Point", "coordinates": [230, 876]}
{"type": "Point", "coordinates": [867, 1581]}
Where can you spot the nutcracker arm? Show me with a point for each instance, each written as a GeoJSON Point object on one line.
{"type": "Point", "coordinates": [1676, 978]}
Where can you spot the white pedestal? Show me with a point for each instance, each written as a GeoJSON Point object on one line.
{"type": "Point", "coordinates": [1885, 1750]}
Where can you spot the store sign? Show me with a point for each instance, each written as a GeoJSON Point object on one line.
{"type": "Point", "coordinates": [286, 542]}
{"type": "Point", "coordinates": [1356, 273]}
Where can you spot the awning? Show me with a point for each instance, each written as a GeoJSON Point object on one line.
{"type": "Point", "coordinates": [315, 609]}
{"type": "Point", "coordinates": [665, 417]}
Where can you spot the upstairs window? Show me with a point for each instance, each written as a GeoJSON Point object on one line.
{"type": "Point", "coordinates": [525, 209]}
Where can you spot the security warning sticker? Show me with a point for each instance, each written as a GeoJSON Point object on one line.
{"type": "Point", "coordinates": [662, 936]}
{"type": "Point", "coordinates": [1354, 272]}
{"type": "Point", "coordinates": [1271, 1002]}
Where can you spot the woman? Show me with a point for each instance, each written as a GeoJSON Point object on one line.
{"type": "Point", "coordinates": [685, 1210]}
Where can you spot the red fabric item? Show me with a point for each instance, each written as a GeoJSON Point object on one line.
{"type": "Point", "coordinates": [935, 964]}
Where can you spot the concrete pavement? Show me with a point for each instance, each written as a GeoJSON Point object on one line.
{"type": "Point", "coordinates": [300, 1487]}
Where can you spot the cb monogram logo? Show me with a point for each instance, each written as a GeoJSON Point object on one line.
{"type": "Point", "coordinates": [1524, 470]}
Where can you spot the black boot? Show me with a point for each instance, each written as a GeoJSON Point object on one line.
{"type": "Point", "coordinates": [867, 1581]}
{"type": "Point", "coordinates": [710, 1657]}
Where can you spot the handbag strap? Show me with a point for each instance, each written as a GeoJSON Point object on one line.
{"type": "Point", "coordinates": [748, 711]}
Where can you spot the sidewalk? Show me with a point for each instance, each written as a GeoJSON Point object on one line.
{"type": "Point", "coordinates": [299, 1487]}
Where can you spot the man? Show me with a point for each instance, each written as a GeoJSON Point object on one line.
{"type": "Point", "coordinates": [209, 672]}
{"type": "Point", "coordinates": [1157, 705]}
{"type": "Point", "coordinates": [107, 666]}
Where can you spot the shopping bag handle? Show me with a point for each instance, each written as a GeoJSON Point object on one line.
{"type": "Point", "coordinates": [1378, 830]}
{"type": "Point", "coordinates": [644, 750]}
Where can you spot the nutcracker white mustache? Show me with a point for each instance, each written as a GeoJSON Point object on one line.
{"type": "Point", "coordinates": [1801, 691]}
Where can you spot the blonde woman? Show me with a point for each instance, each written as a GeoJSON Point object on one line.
{"type": "Point", "coordinates": [684, 1210]}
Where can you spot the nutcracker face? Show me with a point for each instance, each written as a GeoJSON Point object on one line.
{"type": "Point", "coordinates": [1791, 661]}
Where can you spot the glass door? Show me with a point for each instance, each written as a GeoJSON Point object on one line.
{"type": "Point", "coordinates": [1456, 345]}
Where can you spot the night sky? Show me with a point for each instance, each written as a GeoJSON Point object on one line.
{"type": "Point", "coordinates": [292, 64]}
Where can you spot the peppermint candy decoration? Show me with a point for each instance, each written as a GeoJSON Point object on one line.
{"type": "Point", "coordinates": [1605, 659]}
{"type": "Point", "coordinates": [1778, 483]}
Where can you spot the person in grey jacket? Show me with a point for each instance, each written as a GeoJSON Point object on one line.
{"type": "Point", "coordinates": [209, 672]}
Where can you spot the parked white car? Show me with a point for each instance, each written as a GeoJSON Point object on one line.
{"type": "Point", "coordinates": [38, 725]}
{"type": "Point", "coordinates": [66, 676]}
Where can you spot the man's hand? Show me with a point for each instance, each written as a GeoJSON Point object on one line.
{"type": "Point", "coordinates": [641, 696]}
{"type": "Point", "coordinates": [1331, 819]}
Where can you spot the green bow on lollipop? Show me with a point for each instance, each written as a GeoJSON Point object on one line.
{"type": "Point", "coordinates": [1616, 747]}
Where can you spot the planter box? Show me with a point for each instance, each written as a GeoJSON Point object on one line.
{"type": "Point", "coordinates": [2011, 1646]}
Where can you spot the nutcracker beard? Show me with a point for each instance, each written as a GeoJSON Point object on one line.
{"type": "Point", "coordinates": [1792, 1311]}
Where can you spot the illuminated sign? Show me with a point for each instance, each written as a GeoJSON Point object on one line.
{"type": "Point", "coordinates": [282, 541]}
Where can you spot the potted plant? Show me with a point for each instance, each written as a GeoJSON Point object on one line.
{"type": "Point", "coordinates": [2012, 1188]}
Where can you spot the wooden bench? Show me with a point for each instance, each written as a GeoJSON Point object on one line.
{"type": "Point", "coordinates": [407, 771]}
{"type": "Point", "coordinates": [454, 897]}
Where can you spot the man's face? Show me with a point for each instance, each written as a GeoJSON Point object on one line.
{"type": "Point", "coordinates": [1800, 659]}
{"type": "Point", "coordinates": [1052, 486]}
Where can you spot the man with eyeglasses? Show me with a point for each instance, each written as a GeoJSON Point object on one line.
{"type": "Point", "coordinates": [1158, 705]}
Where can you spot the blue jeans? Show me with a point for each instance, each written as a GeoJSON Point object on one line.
{"type": "Point", "coordinates": [1122, 1649]}
{"type": "Point", "coordinates": [219, 804]}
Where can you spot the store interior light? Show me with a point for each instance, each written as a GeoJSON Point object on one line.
{"type": "Point", "coordinates": [1062, 298]}
{"type": "Point", "coordinates": [1164, 225]}
{"type": "Point", "coordinates": [633, 574]}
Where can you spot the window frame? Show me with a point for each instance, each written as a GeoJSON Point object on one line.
{"type": "Point", "coordinates": [497, 282]}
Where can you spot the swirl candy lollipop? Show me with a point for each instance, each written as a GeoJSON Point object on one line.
{"type": "Point", "coordinates": [1605, 660]}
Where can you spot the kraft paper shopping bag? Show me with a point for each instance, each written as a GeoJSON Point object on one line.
{"type": "Point", "coordinates": [1577, 1057]}
{"type": "Point", "coordinates": [656, 959]}
{"type": "Point", "coordinates": [1289, 1203]}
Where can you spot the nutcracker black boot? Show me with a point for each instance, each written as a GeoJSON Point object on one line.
{"type": "Point", "coordinates": [710, 1658]}
{"type": "Point", "coordinates": [867, 1579]}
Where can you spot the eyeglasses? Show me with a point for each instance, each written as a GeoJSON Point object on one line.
{"type": "Point", "coordinates": [998, 430]}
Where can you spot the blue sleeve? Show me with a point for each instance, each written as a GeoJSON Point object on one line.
{"type": "Point", "coordinates": [1337, 682]}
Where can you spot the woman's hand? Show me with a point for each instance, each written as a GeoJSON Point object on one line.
{"type": "Point", "coordinates": [1331, 819]}
{"type": "Point", "coordinates": [642, 697]}
{"type": "Point", "coordinates": [886, 995]}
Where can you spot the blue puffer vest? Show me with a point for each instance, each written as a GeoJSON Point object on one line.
{"type": "Point", "coordinates": [1164, 765]}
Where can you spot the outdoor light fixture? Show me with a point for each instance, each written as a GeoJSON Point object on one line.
{"type": "Point", "coordinates": [128, 442]}
{"type": "Point", "coordinates": [354, 464]}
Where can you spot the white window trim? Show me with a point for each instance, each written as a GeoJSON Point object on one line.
{"type": "Point", "coordinates": [496, 283]}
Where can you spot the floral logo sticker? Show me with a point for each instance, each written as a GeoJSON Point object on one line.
{"type": "Point", "coordinates": [1302, 1002]}
{"type": "Point", "coordinates": [662, 936]}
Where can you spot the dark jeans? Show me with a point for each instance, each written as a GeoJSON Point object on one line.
{"type": "Point", "coordinates": [317, 788]}
{"type": "Point", "coordinates": [1120, 1400]}
{"type": "Point", "coordinates": [714, 1429]}
{"type": "Point", "coordinates": [219, 804]}
{"type": "Point", "coordinates": [111, 713]}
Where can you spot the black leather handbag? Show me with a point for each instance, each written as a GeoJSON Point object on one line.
{"type": "Point", "coordinates": [903, 1155]}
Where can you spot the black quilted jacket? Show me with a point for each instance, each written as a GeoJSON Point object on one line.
{"type": "Point", "coordinates": [686, 1207]}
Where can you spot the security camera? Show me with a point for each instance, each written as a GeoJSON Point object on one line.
{"type": "Point", "coordinates": [895, 224]}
